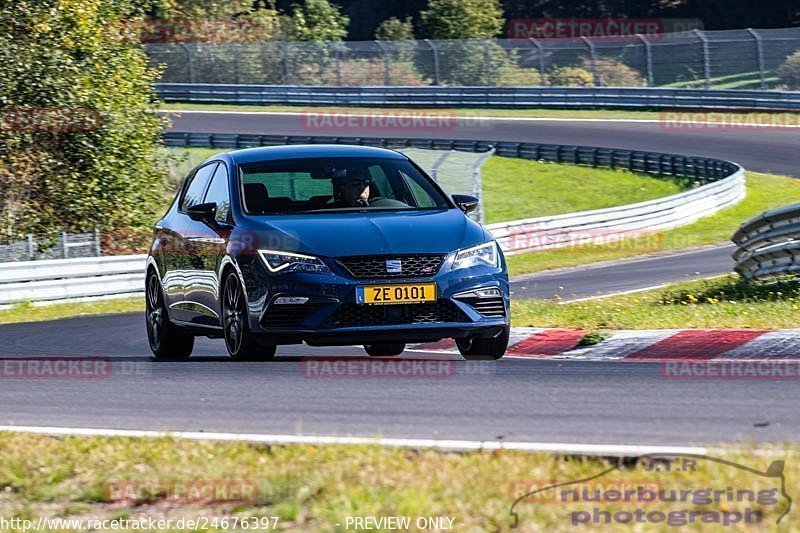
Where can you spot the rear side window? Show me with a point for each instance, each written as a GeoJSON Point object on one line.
{"type": "Point", "coordinates": [197, 187]}
{"type": "Point", "coordinates": [218, 193]}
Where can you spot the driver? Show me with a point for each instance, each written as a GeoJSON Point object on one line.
{"type": "Point", "coordinates": [353, 189]}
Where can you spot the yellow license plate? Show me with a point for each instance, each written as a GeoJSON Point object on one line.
{"type": "Point", "coordinates": [396, 294]}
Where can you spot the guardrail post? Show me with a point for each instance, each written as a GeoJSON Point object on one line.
{"type": "Point", "coordinates": [760, 56]}
{"type": "Point", "coordinates": [706, 57]}
{"type": "Point", "coordinates": [97, 248]}
{"type": "Point", "coordinates": [648, 58]}
{"type": "Point", "coordinates": [540, 51]}
{"type": "Point", "coordinates": [593, 59]}
{"type": "Point", "coordinates": [64, 247]}
{"type": "Point", "coordinates": [386, 65]}
{"type": "Point", "coordinates": [436, 78]}
{"type": "Point", "coordinates": [488, 55]}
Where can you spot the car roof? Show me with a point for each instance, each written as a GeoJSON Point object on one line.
{"type": "Point", "coordinates": [300, 151]}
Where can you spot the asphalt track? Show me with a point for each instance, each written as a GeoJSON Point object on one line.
{"type": "Point", "coordinates": [773, 150]}
{"type": "Point", "coordinates": [521, 400]}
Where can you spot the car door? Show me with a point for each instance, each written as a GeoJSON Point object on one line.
{"type": "Point", "coordinates": [207, 242]}
{"type": "Point", "coordinates": [187, 264]}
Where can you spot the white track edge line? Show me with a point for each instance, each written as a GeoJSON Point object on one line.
{"type": "Point", "coordinates": [617, 450]}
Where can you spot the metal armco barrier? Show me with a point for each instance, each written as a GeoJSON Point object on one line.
{"type": "Point", "coordinates": [61, 279]}
{"type": "Point", "coordinates": [487, 97]}
{"type": "Point", "coordinates": [768, 245]}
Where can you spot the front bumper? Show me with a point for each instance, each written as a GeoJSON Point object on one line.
{"type": "Point", "coordinates": [331, 316]}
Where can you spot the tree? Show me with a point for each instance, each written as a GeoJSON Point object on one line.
{"type": "Point", "coordinates": [79, 137]}
{"type": "Point", "coordinates": [394, 29]}
{"type": "Point", "coordinates": [462, 19]}
{"type": "Point", "coordinates": [315, 20]}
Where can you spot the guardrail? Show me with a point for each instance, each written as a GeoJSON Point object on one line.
{"type": "Point", "coordinates": [61, 279]}
{"type": "Point", "coordinates": [768, 245]}
{"type": "Point", "coordinates": [503, 97]}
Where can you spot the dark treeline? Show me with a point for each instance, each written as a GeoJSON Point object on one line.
{"type": "Point", "coordinates": [365, 15]}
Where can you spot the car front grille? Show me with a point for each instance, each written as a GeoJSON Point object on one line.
{"type": "Point", "coordinates": [355, 315]}
{"type": "Point", "coordinates": [375, 266]}
{"type": "Point", "coordinates": [289, 315]}
{"type": "Point", "coordinates": [491, 307]}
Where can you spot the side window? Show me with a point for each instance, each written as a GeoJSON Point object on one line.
{"type": "Point", "coordinates": [381, 183]}
{"type": "Point", "coordinates": [218, 193]}
{"type": "Point", "coordinates": [421, 197]}
{"type": "Point", "coordinates": [197, 187]}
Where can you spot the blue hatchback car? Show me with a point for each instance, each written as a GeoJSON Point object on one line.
{"type": "Point", "coordinates": [327, 245]}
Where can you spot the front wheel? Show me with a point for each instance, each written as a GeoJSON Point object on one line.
{"type": "Point", "coordinates": [241, 343]}
{"type": "Point", "coordinates": [384, 349]}
{"type": "Point", "coordinates": [484, 349]}
{"type": "Point", "coordinates": [167, 341]}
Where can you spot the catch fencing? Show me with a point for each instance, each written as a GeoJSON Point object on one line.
{"type": "Point", "coordinates": [729, 59]}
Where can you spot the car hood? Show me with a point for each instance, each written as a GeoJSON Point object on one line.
{"type": "Point", "coordinates": [359, 233]}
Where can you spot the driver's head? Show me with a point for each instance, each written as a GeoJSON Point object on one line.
{"type": "Point", "coordinates": [354, 188]}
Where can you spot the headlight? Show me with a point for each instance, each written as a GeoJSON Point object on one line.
{"type": "Point", "coordinates": [286, 262]}
{"type": "Point", "coordinates": [483, 254]}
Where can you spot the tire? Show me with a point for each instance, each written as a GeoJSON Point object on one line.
{"type": "Point", "coordinates": [167, 341]}
{"type": "Point", "coordinates": [242, 345]}
{"type": "Point", "coordinates": [484, 349]}
{"type": "Point", "coordinates": [385, 349]}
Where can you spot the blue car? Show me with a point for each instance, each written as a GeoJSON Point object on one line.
{"type": "Point", "coordinates": [327, 245]}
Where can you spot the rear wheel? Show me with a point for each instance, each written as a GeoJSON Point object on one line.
{"type": "Point", "coordinates": [385, 349]}
{"type": "Point", "coordinates": [167, 341]}
{"type": "Point", "coordinates": [241, 343]}
{"type": "Point", "coordinates": [483, 349]}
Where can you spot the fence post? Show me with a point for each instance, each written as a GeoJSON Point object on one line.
{"type": "Point", "coordinates": [189, 61]}
{"type": "Point", "coordinates": [706, 57]}
{"type": "Point", "coordinates": [64, 247]}
{"type": "Point", "coordinates": [648, 57]}
{"type": "Point", "coordinates": [31, 247]}
{"type": "Point", "coordinates": [386, 64]}
{"type": "Point", "coordinates": [238, 57]}
{"type": "Point", "coordinates": [488, 55]}
{"type": "Point", "coordinates": [287, 72]}
{"type": "Point", "coordinates": [337, 61]}
{"type": "Point", "coordinates": [760, 56]}
{"type": "Point", "coordinates": [97, 248]}
{"type": "Point", "coordinates": [436, 79]}
{"type": "Point", "coordinates": [593, 59]}
{"type": "Point", "coordinates": [540, 50]}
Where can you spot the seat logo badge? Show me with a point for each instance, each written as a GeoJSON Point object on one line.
{"type": "Point", "coordinates": [394, 266]}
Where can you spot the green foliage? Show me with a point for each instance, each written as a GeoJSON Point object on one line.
{"type": "Point", "coordinates": [462, 19]}
{"type": "Point", "coordinates": [315, 20]}
{"type": "Point", "coordinates": [394, 29]}
{"type": "Point", "coordinates": [789, 72]}
{"type": "Point", "coordinates": [613, 73]}
{"type": "Point", "coordinates": [89, 160]}
{"type": "Point", "coordinates": [570, 77]}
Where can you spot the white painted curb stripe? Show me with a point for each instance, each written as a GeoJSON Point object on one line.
{"type": "Point", "coordinates": [615, 450]}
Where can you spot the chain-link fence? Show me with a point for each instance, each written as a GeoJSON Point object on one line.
{"type": "Point", "coordinates": [730, 59]}
{"type": "Point", "coordinates": [63, 246]}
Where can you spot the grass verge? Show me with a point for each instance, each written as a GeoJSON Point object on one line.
{"type": "Point", "coordinates": [311, 488]}
{"type": "Point", "coordinates": [764, 191]}
{"type": "Point", "coordinates": [554, 189]}
{"type": "Point", "coordinates": [725, 302]}
{"type": "Point", "coordinates": [27, 312]}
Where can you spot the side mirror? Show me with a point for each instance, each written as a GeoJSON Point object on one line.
{"type": "Point", "coordinates": [202, 212]}
{"type": "Point", "coordinates": [465, 202]}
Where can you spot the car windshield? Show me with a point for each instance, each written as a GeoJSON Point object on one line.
{"type": "Point", "coordinates": [336, 184]}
